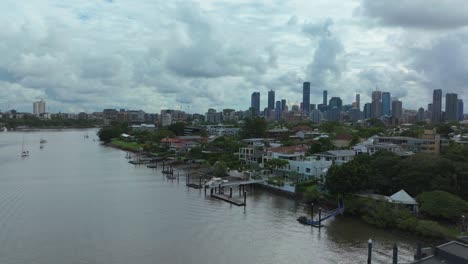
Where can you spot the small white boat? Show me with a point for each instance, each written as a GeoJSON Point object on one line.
{"type": "Point", "coordinates": [215, 182]}
{"type": "Point", "coordinates": [24, 153]}
{"type": "Point", "coordinates": [43, 141]}
{"type": "Point", "coordinates": [4, 129]}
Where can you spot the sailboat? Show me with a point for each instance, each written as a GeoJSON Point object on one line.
{"type": "Point", "coordinates": [24, 153]}
{"type": "Point", "coordinates": [42, 141]}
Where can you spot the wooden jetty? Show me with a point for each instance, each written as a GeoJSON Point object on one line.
{"type": "Point", "coordinates": [227, 198]}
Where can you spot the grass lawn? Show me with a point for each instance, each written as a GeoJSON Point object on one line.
{"type": "Point", "coordinates": [126, 144]}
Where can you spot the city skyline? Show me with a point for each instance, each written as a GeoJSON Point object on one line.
{"type": "Point", "coordinates": [154, 55]}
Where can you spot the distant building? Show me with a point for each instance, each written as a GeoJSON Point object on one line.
{"type": "Point", "coordinates": [316, 116]}
{"type": "Point", "coordinates": [358, 101]}
{"type": "Point", "coordinates": [386, 104]}
{"type": "Point", "coordinates": [325, 98]}
{"type": "Point", "coordinates": [284, 106]}
{"type": "Point", "coordinates": [451, 107]}
{"type": "Point", "coordinates": [376, 105]}
{"type": "Point", "coordinates": [354, 114]}
{"type": "Point", "coordinates": [437, 106]}
{"type": "Point", "coordinates": [335, 102]}
{"type": "Point", "coordinates": [271, 100]}
{"type": "Point", "coordinates": [166, 119]}
{"type": "Point", "coordinates": [306, 98]}
{"type": "Point", "coordinates": [278, 111]}
{"type": "Point", "coordinates": [336, 156]}
{"type": "Point", "coordinates": [397, 107]}
{"type": "Point", "coordinates": [39, 108]}
{"type": "Point", "coordinates": [255, 103]}
{"type": "Point", "coordinates": [213, 117]}
{"type": "Point", "coordinates": [420, 115]}
{"type": "Point", "coordinates": [460, 110]}
{"type": "Point", "coordinates": [143, 127]}
{"type": "Point", "coordinates": [222, 130]}
{"type": "Point", "coordinates": [430, 142]}
{"type": "Point", "coordinates": [367, 111]}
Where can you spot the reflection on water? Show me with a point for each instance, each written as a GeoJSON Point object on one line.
{"type": "Point", "coordinates": [76, 201]}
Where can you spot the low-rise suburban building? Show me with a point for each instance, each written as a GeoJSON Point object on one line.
{"type": "Point", "coordinates": [336, 156]}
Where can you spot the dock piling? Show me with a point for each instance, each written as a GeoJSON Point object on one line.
{"type": "Point", "coordinates": [230, 192]}
{"type": "Point", "coordinates": [369, 251]}
{"type": "Point", "coordinates": [395, 254]}
{"type": "Point", "coordinates": [245, 198]}
{"type": "Point", "coordinates": [320, 216]}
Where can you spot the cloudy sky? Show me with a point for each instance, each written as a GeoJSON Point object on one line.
{"type": "Point", "coordinates": [86, 55]}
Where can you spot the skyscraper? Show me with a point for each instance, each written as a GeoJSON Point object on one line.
{"type": "Point", "coordinates": [386, 104]}
{"type": "Point", "coordinates": [358, 101]}
{"type": "Point", "coordinates": [271, 100]}
{"type": "Point", "coordinates": [255, 103]}
{"type": "Point", "coordinates": [39, 107]}
{"type": "Point", "coordinates": [420, 115]}
{"type": "Point", "coordinates": [397, 109]}
{"type": "Point", "coordinates": [460, 110]}
{"type": "Point", "coordinates": [335, 102]}
{"type": "Point", "coordinates": [376, 106]}
{"type": "Point", "coordinates": [306, 98]}
{"type": "Point", "coordinates": [278, 111]}
{"type": "Point", "coordinates": [437, 106]}
{"type": "Point", "coordinates": [325, 95]}
{"type": "Point", "coordinates": [284, 107]}
{"type": "Point", "coordinates": [367, 110]}
{"type": "Point", "coordinates": [451, 105]}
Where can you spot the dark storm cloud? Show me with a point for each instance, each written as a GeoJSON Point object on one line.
{"type": "Point", "coordinates": [444, 64]}
{"type": "Point", "coordinates": [327, 62]}
{"type": "Point", "coordinates": [425, 14]}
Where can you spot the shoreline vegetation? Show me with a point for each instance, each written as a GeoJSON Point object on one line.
{"type": "Point", "coordinates": [437, 181]}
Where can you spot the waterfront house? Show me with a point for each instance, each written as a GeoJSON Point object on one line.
{"type": "Point", "coordinates": [336, 156]}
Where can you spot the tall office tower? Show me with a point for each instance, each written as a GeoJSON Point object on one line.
{"type": "Point", "coordinates": [271, 100]}
{"type": "Point", "coordinates": [460, 110]}
{"type": "Point", "coordinates": [278, 111]}
{"type": "Point", "coordinates": [386, 104]}
{"type": "Point", "coordinates": [420, 115]}
{"type": "Point", "coordinates": [397, 109]}
{"type": "Point", "coordinates": [255, 103]}
{"type": "Point", "coordinates": [39, 107]}
{"type": "Point", "coordinates": [284, 107]}
{"type": "Point", "coordinates": [335, 102]}
{"type": "Point", "coordinates": [376, 105]}
{"type": "Point", "coordinates": [306, 98]}
{"type": "Point", "coordinates": [325, 100]}
{"type": "Point", "coordinates": [429, 107]}
{"type": "Point", "coordinates": [313, 107]}
{"type": "Point", "coordinates": [437, 106]}
{"type": "Point", "coordinates": [367, 110]}
{"type": "Point", "coordinates": [358, 101]}
{"type": "Point", "coordinates": [451, 105]}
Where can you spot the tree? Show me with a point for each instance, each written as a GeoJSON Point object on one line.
{"type": "Point", "coordinates": [350, 177]}
{"type": "Point", "coordinates": [274, 164]}
{"type": "Point", "coordinates": [442, 204]}
{"type": "Point", "coordinates": [254, 128]}
{"type": "Point", "coordinates": [220, 169]}
{"type": "Point", "coordinates": [177, 128]}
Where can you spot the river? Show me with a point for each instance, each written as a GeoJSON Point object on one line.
{"type": "Point", "coordinates": [76, 201]}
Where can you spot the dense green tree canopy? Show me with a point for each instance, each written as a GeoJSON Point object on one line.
{"type": "Point", "coordinates": [254, 128]}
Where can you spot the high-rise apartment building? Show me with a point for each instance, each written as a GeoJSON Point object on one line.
{"type": "Point", "coordinates": [451, 107]}
{"type": "Point", "coordinates": [255, 104]}
{"type": "Point", "coordinates": [306, 98]}
{"type": "Point", "coordinates": [437, 106]}
{"type": "Point", "coordinates": [271, 100]}
{"type": "Point", "coordinates": [284, 106]}
{"type": "Point", "coordinates": [39, 107]}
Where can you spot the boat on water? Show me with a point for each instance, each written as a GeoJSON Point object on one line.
{"type": "Point", "coordinates": [41, 146]}
{"type": "Point", "coordinates": [43, 141]}
{"type": "Point", "coordinates": [4, 129]}
{"type": "Point", "coordinates": [215, 182]}
{"type": "Point", "coordinates": [24, 153]}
